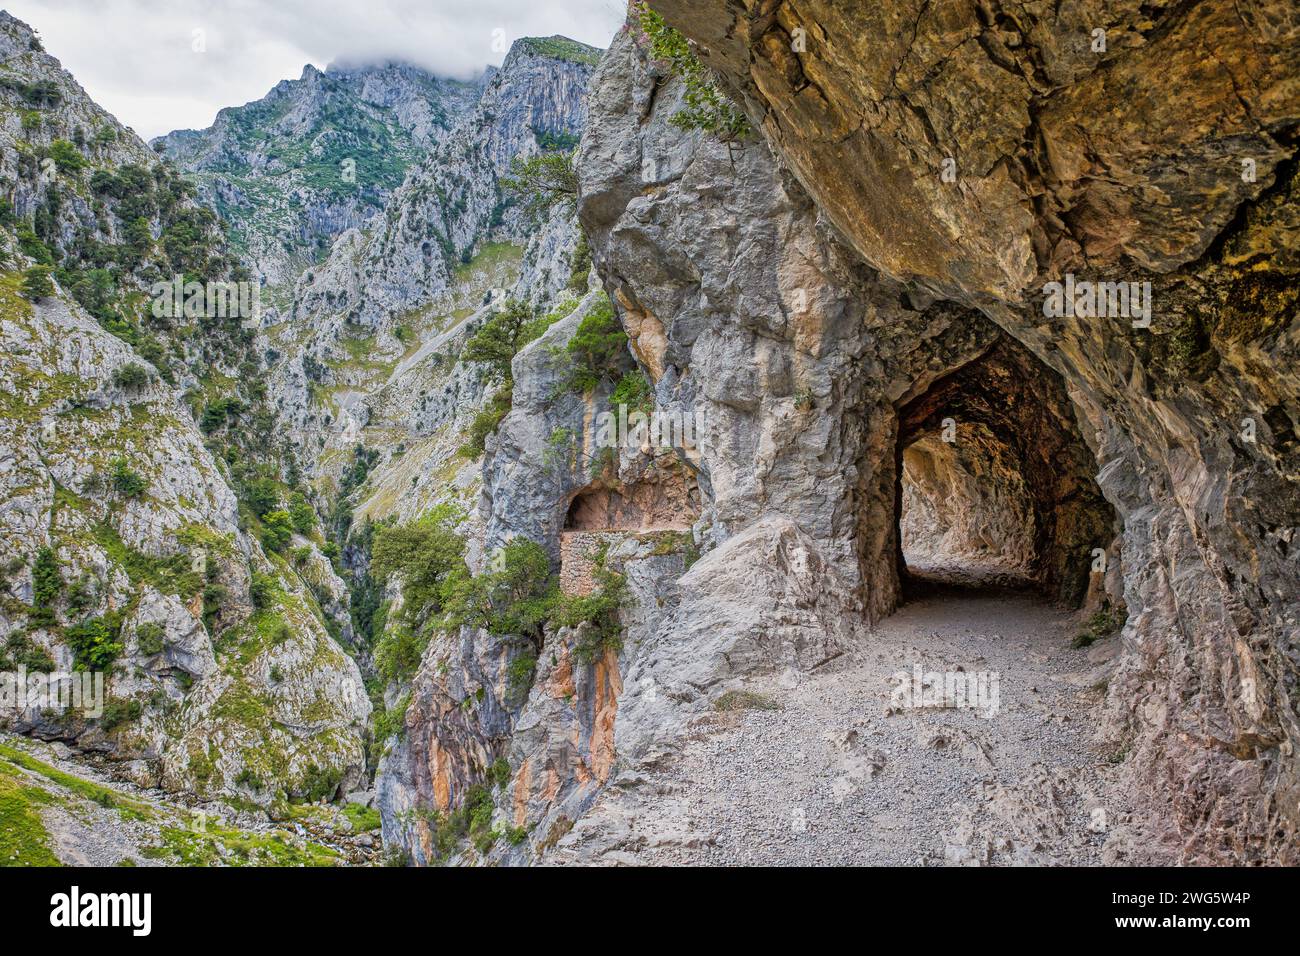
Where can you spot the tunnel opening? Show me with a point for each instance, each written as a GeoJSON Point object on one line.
{"type": "Point", "coordinates": [994, 483]}
{"type": "Point", "coordinates": [660, 504]}
{"type": "Point", "coordinates": [967, 514]}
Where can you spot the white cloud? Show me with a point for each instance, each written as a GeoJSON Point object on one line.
{"type": "Point", "coordinates": [137, 58]}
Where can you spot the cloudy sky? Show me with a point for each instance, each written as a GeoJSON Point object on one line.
{"type": "Point", "coordinates": [160, 65]}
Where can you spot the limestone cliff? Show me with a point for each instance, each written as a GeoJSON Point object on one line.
{"type": "Point", "coordinates": [973, 154]}
{"type": "Point", "coordinates": [125, 436]}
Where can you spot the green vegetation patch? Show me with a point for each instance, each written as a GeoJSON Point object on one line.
{"type": "Point", "coordinates": [217, 845]}
{"type": "Point", "coordinates": [172, 574]}
{"type": "Point", "coordinates": [104, 796]}
{"type": "Point", "coordinates": [707, 107]}
{"type": "Point", "coordinates": [734, 700]}
{"type": "Point", "coordinates": [363, 819]}
{"type": "Point", "coordinates": [562, 48]}
{"type": "Point", "coordinates": [24, 841]}
{"type": "Point", "coordinates": [598, 349]}
{"type": "Point", "coordinates": [1102, 624]}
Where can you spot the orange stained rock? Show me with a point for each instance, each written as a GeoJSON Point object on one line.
{"type": "Point", "coordinates": [521, 793]}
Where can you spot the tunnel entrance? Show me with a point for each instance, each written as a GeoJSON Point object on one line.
{"type": "Point", "coordinates": [994, 482]}
{"type": "Point", "coordinates": [661, 504]}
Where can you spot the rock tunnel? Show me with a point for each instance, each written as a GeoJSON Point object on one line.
{"type": "Point", "coordinates": [994, 481]}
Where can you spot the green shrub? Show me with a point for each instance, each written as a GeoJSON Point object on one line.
{"type": "Point", "coordinates": [519, 675]}
{"type": "Point", "coordinates": [149, 638]}
{"type": "Point", "coordinates": [36, 284]}
{"type": "Point", "coordinates": [67, 157]}
{"type": "Point", "coordinates": [598, 348]}
{"type": "Point", "coordinates": [127, 483]}
{"type": "Point", "coordinates": [1105, 622]}
{"type": "Point", "coordinates": [635, 391]}
{"type": "Point", "coordinates": [302, 513]}
{"type": "Point", "coordinates": [218, 413]}
{"type": "Point", "coordinates": [485, 423]}
{"type": "Point", "coordinates": [472, 820]}
{"type": "Point", "coordinates": [96, 643]}
{"type": "Point", "coordinates": [514, 597]}
{"type": "Point", "coordinates": [599, 611]}
{"type": "Point", "coordinates": [495, 345]}
{"type": "Point", "coordinates": [500, 338]}
{"type": "Point", "coordinates": [391, 720]}
{"type": "Point", "coordinates": [544, 181]}
{"type": "Point", "coordinates": [22, 650]}
{"type": "Point", "coordinates": [47, 585]}
{"type": "Point", "coordinates": [707, 108]}
{"type": "Point", "coordinates": [33, 248]}
{"type": "Point", "coordinates": [129, 376]}
{"type": "Point", "coordinates": [81, 595]}
{"type": "Point", "coordinates": [277, 530]}
{"type": "Point", "coordinates": [214, 596]}
{"type": "Point", "coordinates": [499, 772]}
{"type": "Point", "coordinates": [425, 553]}
{"type": "Point", "coordinates": [263, 590]}
{"type": "Point", "coordinates": [398, 653]}
{"type": "Point", "coordinates": [580, 269]}
{"type": "Point", "coordinates": [318, 784]}
{"type": "Point", "coordinates": [120, 710]}
{"type": "Point", "coordinates": [262, 496]}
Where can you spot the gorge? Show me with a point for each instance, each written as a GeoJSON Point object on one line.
{"type": "Point", "coordinates": [374, 568]}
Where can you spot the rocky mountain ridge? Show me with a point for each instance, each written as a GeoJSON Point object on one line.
{"type": "Point", "coordinates": [314, 157]}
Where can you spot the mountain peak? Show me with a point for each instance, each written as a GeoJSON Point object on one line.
{"type": "Point", "coordinates": [16, 36]}
{"type": "Point", "coordinates": [555, 47]}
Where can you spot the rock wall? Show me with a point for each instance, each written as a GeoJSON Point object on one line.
{"type": "Point", "coordinates": [280, 706]}
{"type": "Point", "coordinates": [976, 154]}
{"type": "Point", "coordinates": [752, 318]}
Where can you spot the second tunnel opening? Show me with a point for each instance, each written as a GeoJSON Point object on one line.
{"type": "Point", "coordinates": [995, 482]}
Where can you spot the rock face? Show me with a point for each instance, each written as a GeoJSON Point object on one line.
{"type": "Point", "coordinates": [280, 706]}
{"type": "Point", "coordinates": [368, 345]}
{"type": "Point", "coordinates": [810, 370]}
{"type": "Point", "coordinates": [753, 319]}
{"type": "Point", "coordinates": [976, 157]}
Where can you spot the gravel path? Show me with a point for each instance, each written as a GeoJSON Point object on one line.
{"type": "Point", "coordinates": [845, 772]}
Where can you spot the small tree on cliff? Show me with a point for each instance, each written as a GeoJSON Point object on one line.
{"type": "Point", "coordinates": [707, 107]}
{"type": "Point", "coordinates": [37, 284]}
{"type": "Point", "coordinates": [543, 182]}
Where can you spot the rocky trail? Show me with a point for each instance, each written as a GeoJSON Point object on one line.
{"type": "Point", "coordinates": [827, 768]}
